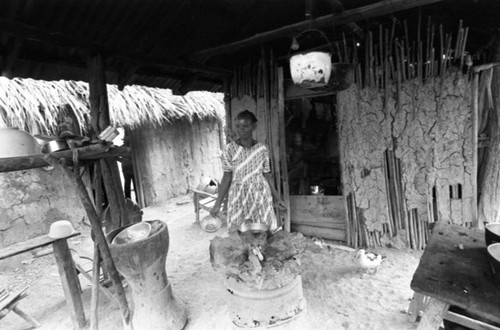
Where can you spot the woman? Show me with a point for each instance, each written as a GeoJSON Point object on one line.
{"type": "Point", "coordinates": [247, 178]}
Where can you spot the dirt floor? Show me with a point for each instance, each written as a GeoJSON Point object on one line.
{"type": "Point", "coordinates": [337, 297]}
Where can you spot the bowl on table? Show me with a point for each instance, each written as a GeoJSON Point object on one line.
{"type": "Point", "coordinates": [494, 258]}
{"type": "Point", "coordinates": [492, 233]}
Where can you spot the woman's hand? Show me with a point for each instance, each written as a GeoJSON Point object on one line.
{"type": "Point", "coordinates": [280, 205]}
{"type": "Point", "coordinates": [215, 210]}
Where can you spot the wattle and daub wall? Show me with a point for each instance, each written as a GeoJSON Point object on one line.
{"type": "Point", "coordinates": [171, 159]}
{"type": "Point", "coordinates": [406, 161]}
{"type": "Point", "coordinates": [31, 200]}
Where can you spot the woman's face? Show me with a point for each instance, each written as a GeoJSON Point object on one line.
{"type": "Point", "coordinates": [244, 128]}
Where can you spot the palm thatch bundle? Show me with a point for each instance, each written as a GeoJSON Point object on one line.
{"type": "Point", "coordinates": [34, 105]}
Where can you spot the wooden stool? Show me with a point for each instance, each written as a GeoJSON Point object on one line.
{"type": "Point", "coordinates": [205, 201]}
{"type": "Point", "coordinates": [10, 302]}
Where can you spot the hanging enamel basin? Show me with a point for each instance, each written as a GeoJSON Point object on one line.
{"type": "Point", "coordinates": [311, 70]}
{"type": "Point", "coordinates": [16, 143]}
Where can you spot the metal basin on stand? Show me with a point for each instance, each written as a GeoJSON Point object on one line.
{"type": "Point", "coordinates": [142, 263]}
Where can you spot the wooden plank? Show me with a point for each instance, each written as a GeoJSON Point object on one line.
{"type": "Point", "coordinates": [433, 315]}
{"type": "Point", "coordinates": [468, 322]}
{"type": "Point", "coordinates": [320, 222]}
{"type": "Point", "coordinates": [320, 208]}
{"type": "Point", "coordinates": [31, 244]}
{"type": "Point", "coordinates": [31, 320]}
{"type": "Point", "coordinates": [416, 306]}
{"type": "Point", "coordinates": [326, 233]}
{"type": "Point", "coordinates": [93, 151]}
{"type": "Point", "coordinates": [12, 298]}
{"type": "Point", "coordinates": [459, 277]}
{"type": "Point", "coordinates": [70, 282]}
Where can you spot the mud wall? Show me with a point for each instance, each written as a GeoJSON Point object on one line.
{"type": "Point", "coordinates": [426, 128]}
{"type": "Point", "coordinates": [31, 200]}
{"type": "Point", "coordinates": [171, 159]}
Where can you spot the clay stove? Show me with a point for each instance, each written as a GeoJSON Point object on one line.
{"type": "Point", "coordinates": [262, 277]}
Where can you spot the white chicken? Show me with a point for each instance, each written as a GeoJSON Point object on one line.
{"type": "Point", "coordinates": [369, 261]}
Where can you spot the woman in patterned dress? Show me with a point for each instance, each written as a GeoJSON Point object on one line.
{"type": "Point", "coordinates": [247, 179]}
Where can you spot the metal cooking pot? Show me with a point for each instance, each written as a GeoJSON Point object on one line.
{"type": "Point", "coordinates": [253, 227]}
{"type": "Point", "coordinates": [56, 145]}
{"type": "Point", "coordinates": [42, 140]}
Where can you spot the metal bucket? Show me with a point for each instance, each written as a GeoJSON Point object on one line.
{"type": "Point", "coordinates": [252, 308]}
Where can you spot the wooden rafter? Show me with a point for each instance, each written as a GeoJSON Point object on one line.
{"type": "Point", "coordinates": [28, 32]}
{"type": "Point", "coordinates": [113, 73]}
{"type": "Point", "coordinates": [374, 10]}
{"type": "Point", "coordinates": [336, 4]}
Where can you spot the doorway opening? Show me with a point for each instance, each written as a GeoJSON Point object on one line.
{"type": "Point", "coordinates": [312, 145]}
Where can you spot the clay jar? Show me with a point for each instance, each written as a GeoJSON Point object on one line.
{"type": "Point", "coordinates": [16, 143]}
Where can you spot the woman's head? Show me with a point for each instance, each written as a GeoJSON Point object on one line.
{"type": "Point", "coordinates": [246, 122]}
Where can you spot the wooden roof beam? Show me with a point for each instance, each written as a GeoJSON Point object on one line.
{"type": "Point", "coordinates": [111, 73]}
{"type": "Point", "coordinates": [339, 7]}
{"type": "Point", "coordinates": [28, 32]}
{"type": "Point", "coordinates": [353, 15]}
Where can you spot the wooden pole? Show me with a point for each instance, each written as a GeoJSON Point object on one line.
{"type": "Point", "coordinates": [99, 238]}
{"type": "Point", "coordinates": [100, 120]}
{"type": "Point", "coordinates": [282, 146]}
{"type": "Point", "coordinates": [489, 200]}
{"type": "Point", "coordinates": [94, 300]}
{"type": "Point", "coordinates": [69, 281]}
{"type": "Point", "coordinates": [475, 120]}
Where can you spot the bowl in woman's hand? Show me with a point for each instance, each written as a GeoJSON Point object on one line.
{"type": "Point", "coordinates": [492, 233]}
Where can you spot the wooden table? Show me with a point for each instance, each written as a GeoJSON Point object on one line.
{"type": "Point", "coordinates": [65, 266]}
{"type": "Point", "coordinates": [454, 270]}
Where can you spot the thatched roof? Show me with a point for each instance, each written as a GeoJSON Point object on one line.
{"type": "Point", "coordinates": [33, 105]}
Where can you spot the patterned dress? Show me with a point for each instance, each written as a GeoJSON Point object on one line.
{"type": "Point", "coordinates": [249, 195]}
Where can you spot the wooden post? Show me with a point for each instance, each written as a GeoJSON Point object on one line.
{"type": "Point", "coordinates": [433, 314]}
{"type": "Point", "coordinates": [95, 223]}
{"type": "Point", "coordinates": [489, 200]}
{"type": "Point", "coordinates": [282, 147]}
{"type": "Point", "coordinates": [94, 300]}
{"type": "Point", "coordinates": [475, 120]}
{"type": "Point", "coordinates": [69, 281]}
{"type": "Point", "coordinates": [100, 120]}
{"type": "Point", "coordinates": [98, 97]}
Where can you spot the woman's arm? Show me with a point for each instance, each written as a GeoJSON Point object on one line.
{"type": "Point", "coordinates": [226, 181]}
{"type": "Point", "coordinates": [276, 197]}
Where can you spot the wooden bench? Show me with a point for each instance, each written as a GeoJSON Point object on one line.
{"type": "Point", "coordinates": [9, 302]}
{"type": "Point", "coordinates": [454, 271]}
{"type": "Point", "coordinates": [65, 266]}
